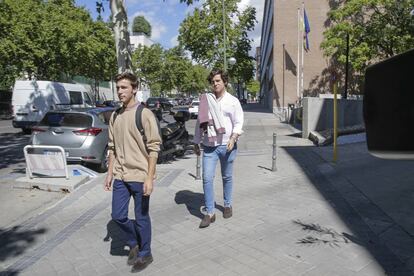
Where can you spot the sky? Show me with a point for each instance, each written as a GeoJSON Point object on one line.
{"type": "Point", "coordinates": [165, 17]}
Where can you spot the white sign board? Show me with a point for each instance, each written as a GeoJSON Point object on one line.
{"type": "Point", "coordinates": [45, 161]}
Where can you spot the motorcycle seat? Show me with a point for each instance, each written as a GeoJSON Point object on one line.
{"type": "Point", "coordinates": [170, 129]}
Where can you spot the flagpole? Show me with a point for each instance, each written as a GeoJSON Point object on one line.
{"type": "Point", "coordinates": [298, 63]}
{"type": "Point", "coordinates": [302, 61]}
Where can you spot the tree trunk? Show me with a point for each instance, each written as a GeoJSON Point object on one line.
{"type": "Point", "coordinates": [120, 20]}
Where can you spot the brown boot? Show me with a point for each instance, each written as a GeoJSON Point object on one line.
{"type": "Point", "coordinates": [133, 255]}
{"type": "Point", "coordinates": [205, 222]}
{"type": "Point", "coordinates": [228, 212]}
{"type": "Point", "coordinates": [141, 263]}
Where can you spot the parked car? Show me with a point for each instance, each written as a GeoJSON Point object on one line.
{"type": "Point", "coordinates": [173, 102]}
{"type": "Point", "coordinates": [112, 103]}
{"type": "Point", "coordinates": [193, 108]}
{"type": "Point", "coordinates": [159, 103]}
{"type": "Point", "coordinates": [179, 101]}
{"type": "Point", "coordinates": [82, 133]}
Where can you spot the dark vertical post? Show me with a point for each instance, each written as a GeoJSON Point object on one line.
{"type": "Point", "coordinates": [346, 67]}
{"type": "Point", "coordinates": [274, 153]}
{"type": "Point", "coordinates": [198, 168]}
{"type": "Point", "coordinates": [283, 78]}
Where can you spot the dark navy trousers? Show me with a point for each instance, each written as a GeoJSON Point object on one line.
{"type": "Point", "coordinates": [138, 231]}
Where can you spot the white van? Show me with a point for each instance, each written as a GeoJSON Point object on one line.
{"type": "Point", "coordinates": [79, 97]}
{"type": "Point", "coordinates": [32, 99]}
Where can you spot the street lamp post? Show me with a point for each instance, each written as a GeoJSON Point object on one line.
{"type": "Point", "coordinates": [224, 37]}
{"type": "Point", "coordinates": [232, 61]}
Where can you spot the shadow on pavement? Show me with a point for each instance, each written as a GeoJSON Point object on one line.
{"type": "Point", "coordinates": [11, 148]}
{"type": "Point", "coordinates": [15, 242]}
{"type": "Point", "coordinates": [255, 107]}
{"type": "Point", "coordinates": [9, 273]}
{"type": "Point", "coordinates": [193, 201]}
{"type": "Point", "coordinates": [318, 234]}
{"type": "Point", "coordinates": [264, 168]}
{"type": "Point", "coordinates": [115, 235]}
{"type": "Point", "coordinates": [296, 135]}
{"type": "Point", "coordinates": [353, 207]}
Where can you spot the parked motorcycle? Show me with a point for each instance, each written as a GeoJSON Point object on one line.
{"type": "Point", "coordinates": [175, 137]}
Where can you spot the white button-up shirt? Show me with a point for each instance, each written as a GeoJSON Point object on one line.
{"type": "Point", "coordinates": [233, 121]}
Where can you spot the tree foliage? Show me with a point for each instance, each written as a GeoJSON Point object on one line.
{"type": "Point", "coordinates": [253, 87]}
{"type": "Point", "coordinates": [166, 70]}
{"type": "Point", "coordinates": [202, 35]}
{"type": "Point", "coordinates": [377, 29]}
{"type": "Point", "coordinates": [141, 25]}
{"type": "Point", "coordinates": [51, 39]}
{"type": "Point", "coordinates": [148, 62]}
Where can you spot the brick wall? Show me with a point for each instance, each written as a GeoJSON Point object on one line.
{"type": "Point", "coordinates": [285, 29]}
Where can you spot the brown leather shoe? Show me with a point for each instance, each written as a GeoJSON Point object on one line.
{"type": "Point", "coordinates": [205, 222]}
{"type": "Point", "coordinates": [141, 263]}
{"type": "Point", "coordinates": [228, 212]}
{"type": "Point", "coordinates": [133, 255]}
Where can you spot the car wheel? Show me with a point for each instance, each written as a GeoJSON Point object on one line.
{"type": "Point", "coordinates": [103, 166]}
{"type": "Point", "coordinates": [27, 130]}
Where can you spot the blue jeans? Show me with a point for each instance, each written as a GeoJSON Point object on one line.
{"type": "Point", "coordinates": [210, 157]}
{"type": "Point", "coordinates": [136, 232]}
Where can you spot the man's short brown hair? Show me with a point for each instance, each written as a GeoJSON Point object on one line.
{"type": "Point", "coordinates": [222, 74]}
{"type": "Point", "coordinates": [129, 76]}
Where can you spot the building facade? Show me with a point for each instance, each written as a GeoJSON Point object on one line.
{"type": "Point", "coordinates": [137, 39]}
{"type": "Point", "coordinates": [279, 64]}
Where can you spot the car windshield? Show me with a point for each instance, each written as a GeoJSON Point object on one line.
{"type": "Point", "coordinates": [53, 119]}
{"type": "Point", "coordinates": [152, 100]}
{"type": "Point", "coordinates": [195, 104]}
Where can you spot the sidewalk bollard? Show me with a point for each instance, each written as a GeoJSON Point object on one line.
{"type": "Point", "coordinates": [274, 153]}
{"type": "Point", "coordinates": [198, 167]}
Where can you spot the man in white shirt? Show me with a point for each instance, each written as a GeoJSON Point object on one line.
{"type": "Point", "coordinates": [223, 147]}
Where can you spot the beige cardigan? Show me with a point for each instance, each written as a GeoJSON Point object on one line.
{"type": "Point", "coordinates": [128, 147]}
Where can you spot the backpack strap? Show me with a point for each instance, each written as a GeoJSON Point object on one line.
{"type": "Point", "coordinates": [117, 111]}
{"type": "Point", "coordinates": [138, 121]}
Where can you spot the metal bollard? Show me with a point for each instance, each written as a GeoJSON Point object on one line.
{"type": "Point", "coordinates": [198, 167]}
{"type": "Point", "coordinates": [274, 153]}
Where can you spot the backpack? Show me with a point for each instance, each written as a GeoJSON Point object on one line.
{"type": "Point", "coordinates": [138, 122]}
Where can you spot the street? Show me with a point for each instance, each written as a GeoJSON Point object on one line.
{"type": "Point", "coordinates": [11, 146]}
